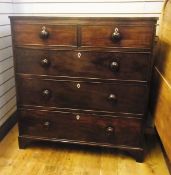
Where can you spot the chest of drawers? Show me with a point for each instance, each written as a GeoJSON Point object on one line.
{"type": "Point", "coordinates": [83, 80]}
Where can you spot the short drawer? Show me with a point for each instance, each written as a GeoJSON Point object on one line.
{"type": "Point", "coordinates": [122, 98]}
{"type": "Point", "coordinates": [80, 128]}
{"type": "Point", "coordinates": [42, 34]}
{"type": "Point", "coordinates": [88, 64]}
{"type": "Point", "coordinates": [127, 36]}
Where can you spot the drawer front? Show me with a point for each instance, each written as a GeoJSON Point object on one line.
{"type": "Point", "coordinates": [83, 95]}
{"type": "Point", "coordinates": [105, 65]}
{"type": "Point", "coordinates": [117, 36]}
{"type": "Point", "coordinates": [80, 127]}
{"type": "Point", "coordinates": [41, 34]}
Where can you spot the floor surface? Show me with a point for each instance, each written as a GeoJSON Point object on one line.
{"type": "Point", "coordinates": [63, 159]}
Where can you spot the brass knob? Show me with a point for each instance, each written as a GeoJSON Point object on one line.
{"type": "Point", "coordinates": [46, 93]}
{"type": "Point", "coordinates": [46, 125]}
{"type": "Point", "coordinates": [109, 129]}
{"type": "Point", "coordinates": [44, 34]}
{"type": "Point", "coordinates": [114, 66]}
{"type": "Point", "coordinates": [112, 98]}
{"type": "Point", "coordinates": [116, 36]}
{"type": "Point", "coordinates": [45, 62]}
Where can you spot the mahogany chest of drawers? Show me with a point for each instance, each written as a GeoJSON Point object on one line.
{"type": "Point", "coordinates": [83, 80]}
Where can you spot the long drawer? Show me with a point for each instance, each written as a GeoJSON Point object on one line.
{"type": "Point", "coordinates": [42, 34]}
{"type": "Point", "coordinates": [89, 64]}
{"type": "Point", "coordinates": [80, 127]}
{"type": "Point", "coordinates": [124, 98]}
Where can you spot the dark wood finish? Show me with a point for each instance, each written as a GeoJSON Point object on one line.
{"type": "Point", "coordinates": [57, 34]}
{"type": "Point", "coordinates": [83, 80]}
{"type": "Point", "coordinates": [23, 142]}
{"type": "Point", "coordinates": [85, 20]}
{"type": "Point", "coordinates": [138, 154]}
{"type": "Point", "coordinates": [130, 36]}
{"type": "Point", "coordinates": [126, 65]}
{"type": "Point", "coordinates": [82, 95]}
{"type": "Point", "coordinates": [86, 128]}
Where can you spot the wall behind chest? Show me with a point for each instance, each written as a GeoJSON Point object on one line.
{"type": "Point", "coordinates": [7, 82]}
{"type": "Point", "coordinates": [88, 7]}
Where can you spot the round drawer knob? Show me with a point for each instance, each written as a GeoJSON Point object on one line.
{"type": "Point", "coordinates": [45, 62]}
{"type": "Point", "coordinates": [44, 34]}
{"type": "Point", "coordinates": [109, 129]}
{"type": "Point", "coordinates": [112, 98]}
{"type": "Point", "coordinates": [46, 93]}
{"type": "Point", "coordinates": [114, 66]}
{"type": "Point", "coordinates": [116, 35]}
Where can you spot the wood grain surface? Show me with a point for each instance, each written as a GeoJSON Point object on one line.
{"type": "Point", "coordinates": [162, 80]}
{"type": "Point", "coordinates": [59, 159]}
{"type": "Point", "coordinates": [88, 64]}
{"type": "Point", "coordinates": [83, 95]}
{"type": "Point", "coordinates": [81, 128]}
{"type": "Point", "coordinates": [72, 64]}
